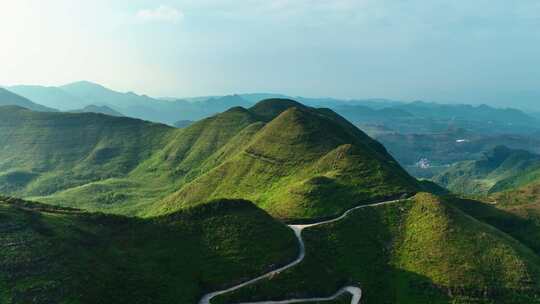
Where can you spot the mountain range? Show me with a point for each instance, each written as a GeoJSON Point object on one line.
{"type": "Point", "coordinates": [404, 116]}
{"type": "Point", "coordinates": [133, 211]}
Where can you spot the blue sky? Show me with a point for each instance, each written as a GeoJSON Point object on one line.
{"type": "Point", "coordinates": [449, 51]}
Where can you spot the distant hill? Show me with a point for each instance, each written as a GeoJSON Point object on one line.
{"type": "Point", "coordinates": [183, 123]}
{"type": "Point", "coordinates": [8, 98]}
{"type": "Point", "coordinates": [423, 117]}
{"type": "Point", "coordinates": [78, 95]}
{"type": "Point", "coordinates": [53, 97]}
{"type": "Point", "coordinates": [466, 112]}
{"type": "Point", "coordinates": [487, 174]}
{"type": "Point", "coordinates": [99, 109]}
{"type": "Point", "coordinates": [408, 117]}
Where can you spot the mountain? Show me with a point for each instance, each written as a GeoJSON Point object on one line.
{"type": "Point", "coordinates": [8, 98]}
{"type": "Point", "coordinates": [53, 97]}
{"type": "Point", "coordinates": [42, 153]}
{"type": "Point", "coordinates": [294, 161]}
{"type": "Point", "coordinates": [425, 250]}
{"type": "Point", "coordinates": [99, 110]}
{"type": "Point", "coordinates": [207, 204]}
{"type": "Point", "coordinates": [58, 255]}
{"type": "Point", "coordinates": [486, 174]}
{"type": "Point", "coordinates": [413, 117]}
{"type": "Point", "coordinates": [82, 94]}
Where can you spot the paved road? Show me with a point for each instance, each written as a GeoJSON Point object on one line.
{"type": "Point", "coordinates": [354, 291]}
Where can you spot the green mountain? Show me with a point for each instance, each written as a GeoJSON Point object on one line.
{"type": "Point", "coordinates": [195, 230]}
{"type": "Point", "coordinates": [99, 110]}
{"type": "Point", "coordinates": [425, 250]}
{"type": "Point", "coordinates": [296, 162]}
{"type": "Point", "coordinates": [8, 98]}
{"type": "Point", "coordinates": [43, 153]}
{"type": "Point", "coordinates": [488, 174]}
{"type": "Point", "coordinates": [57, 255]}
{"type": "Point", "coordinates": [292, 160]}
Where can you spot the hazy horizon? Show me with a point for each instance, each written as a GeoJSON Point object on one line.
{"type": "Point", "coordinates": [441, 51]}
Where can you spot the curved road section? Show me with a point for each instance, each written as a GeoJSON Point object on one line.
{"type": "Point", "coordinates": [354, 291]}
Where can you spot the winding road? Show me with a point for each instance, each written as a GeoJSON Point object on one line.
{"type": "Point", "coordinates": [354, 291]}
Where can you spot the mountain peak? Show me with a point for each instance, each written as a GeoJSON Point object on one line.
{"type": "Point", "coordinates": [273, 107]}
{"type": "Point", "coordinates": [83, 86]}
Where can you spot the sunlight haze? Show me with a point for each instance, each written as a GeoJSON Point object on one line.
{"type": "Point", "coordinates": [446, 51]}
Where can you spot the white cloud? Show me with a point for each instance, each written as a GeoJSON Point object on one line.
{"type": "Point", "coordinates": [162, 13]}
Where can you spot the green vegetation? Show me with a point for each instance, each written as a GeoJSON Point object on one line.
{"type": "Point", "coordinates": [58, 255]}
{"type": "Point", "coordinates": [42, 154]}
{"type": "Point", "coordinates": [419, 251]}
{"type": "Point", "coordinates": [500, 168]}
{"type": "Point", "coordinates": [304, 163]}
{"type": "Point", "coordinates": [294, 161]}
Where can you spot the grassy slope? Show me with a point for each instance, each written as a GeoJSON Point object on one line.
{"type": "Point", "coordinates": [297, 164]}
{"type": "Point", "coordinates": [185, 154]}
{"type": "Point", "coordinates": [290, 159]}
{"type": "Point", "coordinates": [43, 153]}
{"type": "Point", "coordinates": [52, 255]}
{"type": "Point", "coordinates": [421, 251]}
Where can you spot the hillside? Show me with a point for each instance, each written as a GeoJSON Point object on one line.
{"type": "Point", "coordinates": [56, 255]}
{"type": "Point", "coordinates": [419, 251]}
{"type": "Point", "coordinates": [302, 163]}
{"type": "Point", "coordinates": [495, 168]}
{"type": "Point", "coordinates": [42, 153]}
{"type": "Point", "coordinates": [293, 161]}
{"type": "Point", "coordinates": [8, 98]}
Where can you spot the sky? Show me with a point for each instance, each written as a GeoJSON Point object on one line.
{"type": "Point", "coordinates": [481, 51]}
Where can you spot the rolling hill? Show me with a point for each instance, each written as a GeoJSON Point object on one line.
{"type": "Point", "coordinates": [209, 200]}
{"type": "Point", "coordinates": [57, 255]}
{"type": "Point", "coordinates": [424, 250]}
{"type": "Point", "coordinates": [292, 160]}
{"type": "Point", "coordinates": [43, 153]}
{"type": "Point", "coordinates": [8, 98]}
{"type": "Point", "coordinates": [302, 163]}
